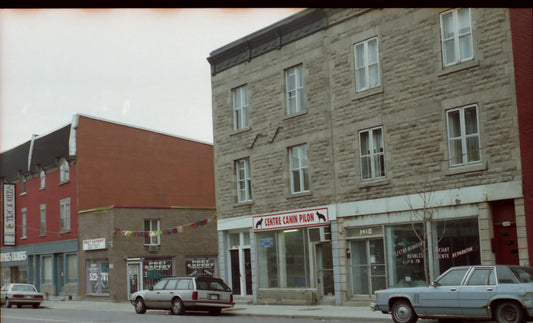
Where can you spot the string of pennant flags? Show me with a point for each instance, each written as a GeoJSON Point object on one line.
{"type": "Point", "coordinates": [174, 230]}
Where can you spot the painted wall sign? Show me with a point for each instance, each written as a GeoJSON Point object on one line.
{"type": "Point", "coordinates": [303, 218]}
{"type": "Point", "coordinates": [9, 214]}
{"type": "Point", "coordinates": [94, 244]}
{"type": "Point", "coordinates": [13, 256]}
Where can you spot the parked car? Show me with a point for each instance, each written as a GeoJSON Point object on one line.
{"type": "Point", "coordinates": [20, 294]}
{"type": "Point", "coordinates": [501, 293]}
{"type": "Point", "coordinates": [179, 294]}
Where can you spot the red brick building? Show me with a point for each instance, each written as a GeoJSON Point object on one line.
{"type": "Point", "coordinates": [102, 209]}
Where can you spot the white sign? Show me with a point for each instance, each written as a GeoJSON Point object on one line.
{"type": "Point", "coordinates": [94, 244]}
{"type": "Point", "coordinates": [9, 214]}
{"type": "Point", "coordinates": [288, 220]}
{"type": "Point", "coordinates": [13, 256]}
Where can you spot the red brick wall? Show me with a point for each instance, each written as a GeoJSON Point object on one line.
{"type": "Point", "coordinates": [522, 35]}
{"type": "Point", "coordinates": [120, 165]}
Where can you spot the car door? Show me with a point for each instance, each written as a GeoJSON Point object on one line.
{"type": "Point", "coordinates": [479, 288]}
{"type": "Point", "coordinates": [166, 294]}
{"type": "Point", "coordinates": [442, 298]}
{"type": "Point", "coordinates": [153, 296]}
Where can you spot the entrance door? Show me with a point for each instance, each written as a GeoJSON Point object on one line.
{"type": "Point", "coordinates": [241, 263]}
{"type": "Point", "coordinates": [505, 244]}
{"type": "Point", "coordinates": [134, 277]}
{"type": "Point", "coordinates": [325, 269]}
{"type": "Point", "coordinates": [368, 266]}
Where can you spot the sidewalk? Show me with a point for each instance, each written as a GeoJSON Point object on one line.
{"type": "Point", "coordinates": [289, 311]}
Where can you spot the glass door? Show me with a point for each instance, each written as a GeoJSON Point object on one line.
{"type": "Point", "coordinates": [240, 263]}
{"type": "Point", "coordinates": [367, 266]}
{"type": "Point", "coordinates": [325, 268]}
{"type": "Point", "coordinates": [134, 277]}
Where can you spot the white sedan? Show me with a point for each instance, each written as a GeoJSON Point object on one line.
{"type": "Point", "coordinates": [21, 294]}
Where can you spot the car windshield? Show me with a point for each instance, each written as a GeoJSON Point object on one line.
{"type": "Point", "coordinates": [523, 274]}
{"type": "Point", "coordinates": [22, 288]}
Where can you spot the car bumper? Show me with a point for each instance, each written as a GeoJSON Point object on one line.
{"type": "Point", "coordinates": [25, 301]}
{"type": "Point", "coordinates": [376, 307]}
{"type": "Point", "coordinates": [196, 304]}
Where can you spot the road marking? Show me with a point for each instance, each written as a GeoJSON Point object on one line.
{"type": "Point", "coordinates": [32, 319]}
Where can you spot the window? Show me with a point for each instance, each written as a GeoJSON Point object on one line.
{"type": "Point", "coordinates": [64, 215]}
{"type": "Point", "coordinates": [24, 224]}
{"type": "Point", "coordinates": [456, 36]}
{"type": "Point", "coordinates": [481, 277]}
{"type": "Point", "coordinates": [463, 136]}
{"type": "Point", "coordinates": [23, 186]}
{"type": "Point", "coordinates": [43, 219]}
{"type": "Point", "coordinates": [372, 153]}
{"type": "Point", "coordinates": [72, 268]}
{"type": "Point", "coordinates": [97, 276]}
{"type": "Point", "coordinates": [295, 89]}
{"type": "Point", "coordinates": [299, 169]}
{"type": "Point", "coordinates": [63, 171]}
{"type": "Point", "coordinates": [43, 179]}
{"type": "Point", "coordinates": [244, 188]}
{"type": "Point", "coordinates": [152, 227]}
{"type": "Point", "coordinates": [240, 108]}
{"type": "Point", "coordinates": [453, 278]}
{"type": "Point", "coordinates": [366, 64]}
{"type": "Point", "coordinates": [47, 269]}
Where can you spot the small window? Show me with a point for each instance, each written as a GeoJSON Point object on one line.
{"type": "Point", "coordinates": [372, 153]}
{"type": "Point", "coordinates": [64, 214]}
{"type": "Point", "coordinates": [456, 36]}
{"type": "Point", "coordinates": [299, 169]}
{"type": "Point", "coordinates": [43, 219]}
{"type": "Point", "coordinates": [463, 136]}
{"type": "Point", "coordinates": [295, 89]}
{"type": "Point", "coordinates": [43, 179]}
{"type": "Point", "coordinates": [171, 284]}
{"type": "Point", "coordinates": [240, 108]}
{"type": "Point", "coordinates": [244, 187]}
{"type": "Point", "coordinates": [64, 169]}
{"type": "Point", "coordinates": [24, 224]}
{"type": "Point", "coordinates": [152, 226]}
{"type": "Point", "coordinates": [184, 284]}
{"type": "Point", "coordinates": [367, 64]}
{"type": "Point", "coordinates": [23, 186]}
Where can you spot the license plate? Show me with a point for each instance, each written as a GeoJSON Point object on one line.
{"type": "Point", "coordinates": [213, 296]}
{"type": "Point", "coordinates": [28, 296]}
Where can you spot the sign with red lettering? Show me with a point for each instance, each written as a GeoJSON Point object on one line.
{"type": "Point", "coordinates": [288, 220]}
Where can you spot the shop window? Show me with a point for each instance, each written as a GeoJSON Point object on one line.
{"type": "Point", "coordinates": [283, 259]}
{"type": "Point", "coordinates": [97, 276]}
{"type": "Point", "coordinates": [156, 269]}
{"type": "Point", "coordinates": [458, 243]}
{"type": "Point", "coordinates": [72, 268]}
{"type": "Point", "coordinates": [47, 270]}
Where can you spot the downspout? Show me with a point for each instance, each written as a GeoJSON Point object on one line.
{"type": "Point", "coordinates": [30, 152]}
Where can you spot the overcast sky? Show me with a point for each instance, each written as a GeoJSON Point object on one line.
{"type": "Point", "coordinates": [143, 67]}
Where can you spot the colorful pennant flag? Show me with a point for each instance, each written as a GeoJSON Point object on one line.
{"type": "Point", "coordinates": [173, 230]}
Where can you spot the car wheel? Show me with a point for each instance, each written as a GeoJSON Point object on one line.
{"type": "Point", "coordinates": [140, 307]}
{"type": "Point", "coordinates": [509, 312]}
{"type": "Point", "coordinates": [403, 312]}
{"type": "Point", "coordinates": [19, 305]}
{"type": "Point", "coordinates": [8, 303]}
{"type": "Point", "coordinates": [177, 307]}
{"type": "Point", "coordinates": [35, 305]}
{"type": "Point", "coordinates": [215, 311]}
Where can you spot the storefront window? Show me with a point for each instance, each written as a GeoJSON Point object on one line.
{"type": "Point", "coordinates": [155, 269]}
{"type": "Point", "coordinates": [47, 269]}
{"type": "Point", "coordinates": [283, 259]}
{"type": "Point", "coordinates": [72, 268]}
{"type": "Point", "coordinates": [98, 276]}
{"type": "Point", "coordinates": [458, 244]}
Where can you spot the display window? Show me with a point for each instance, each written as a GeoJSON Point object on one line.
{"type": "Point", "coordinates": [98, 276]}
{"type": "Point", "coordinates": [156, 269]}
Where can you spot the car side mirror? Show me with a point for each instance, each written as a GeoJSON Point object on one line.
{"type": "Point", "coordinates": [434, 284]}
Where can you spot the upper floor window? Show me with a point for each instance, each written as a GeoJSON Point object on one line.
{"type": "Point", "coordinates": [372, 153]}
{"type": "Point", "coordinates": [24, 223]}
{"type": "Point", "coordinates": [43, 179]}
{"type": "Point", "coordinates": [299, 169]}
{"type": "Point", "coordinates": [64, 171]}
{"type": "Point", "coordinates": [244, 188]}
{"type": "Point", "coordinates": [463, 136]}
{"type": "Point", "coordinates": [43, 219]}
{"type": "Point", "coordinates": [295, 89]}
{"type": "Point", "coordinates": [152, 226]}
{"type": "Point", "coordinates": [64, 215]}
{"type": "Point", "coordinates": [240, 108]}
{"type": "Point", "coordinates": [23, 186]}
{"type": "Point", "coordinates": [366, 64]}
{"type": "Point", "coordinates": [456, 36]}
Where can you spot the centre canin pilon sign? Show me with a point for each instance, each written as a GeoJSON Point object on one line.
{"type": "Point", "coordinates": [288, 220]}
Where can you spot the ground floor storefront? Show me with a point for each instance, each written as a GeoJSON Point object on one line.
{"type": "Point", "coordinates": [333, 254]}
{"type": "Point", "coordinates": [52, 267]}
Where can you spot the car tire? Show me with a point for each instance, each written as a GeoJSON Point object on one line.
{"type": "Point", "coordinates": [403, 312]}
{"type": "Point", "coordinates": [19, 305]}
{"type": "Point", "coordinates": [177, 307]}
{"type": "Point", "coordinates": [215, 311]}
{"type": "Point", "coordinates": [35, 305]}
{"type": "Point", "coordinates": [509, 312]}
{"type": "Point", "coordinates": [8, 303]}
{"type": "Point", "coordinates": [140, 307]}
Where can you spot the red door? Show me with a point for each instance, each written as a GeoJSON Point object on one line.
{"type": "Point", "coordinates": [504, 244]}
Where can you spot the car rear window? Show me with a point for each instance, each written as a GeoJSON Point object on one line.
{"type": "Point", "coordinates": [218, 285]}
{"type": "Point", "coordinates": [523, 274]}
{"type": "Point", "coordinates": [22, 288]}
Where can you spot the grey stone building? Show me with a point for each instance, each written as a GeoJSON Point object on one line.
{"type": "Point", "coordinates": [359, 149]}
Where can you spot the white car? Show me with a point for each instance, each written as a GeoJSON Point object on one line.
{"type": "Point", "coordinates": [179, 294]}
{"type": "Point", "coordinates": [21, 294]}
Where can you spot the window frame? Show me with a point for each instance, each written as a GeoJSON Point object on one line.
{"type": "Point", "coordinates": [47, 264]}
{"type": "Point", "coordinates": [366, 65]}
{"type": "Point", "coordinates": [298, 90]}
{"type": "Point", "coordinates": [463, 137]}
{"type": "Point", "coordinates": [23, 185]}
{"type": "Point", "coordinates": [42, 217]}
{"type": "Point", "coordinates": [64, 171]}
{"type": "Point", "coordinates": [241, 113]}
{"type": "Point", "coordinates": [24, 215]}
{"type": "Point", "coordinates": [156, 240]}
{"type": "Point", "coordinates": [455, 38]}
{"type": "Point", "coordinates": [64, 215]}
{"type": "Point", "coordinates": [247, 190]}
{"type": "Point", "coordinates": [42, 175]}
{"type": "Point", "coordinates": [372, 154]}
{"type": "Point", "coordinates": [302, 168]}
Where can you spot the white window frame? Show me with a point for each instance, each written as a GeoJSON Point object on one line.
{"type": "Point", "coordinates": [154, 226]}
{"type": "Point", "coordinates": [244, 187]}
{"type": "Point", "coordinates": [374, 156]}
{"type": "Point", "coordinates": [47, 263]}
{"type": "Point", "coordinates": [463, 140]}
{"type": "Point", "coordinates": [367, 65]}
{"type": "Point", "coordinates": [42, 209]}
{"type": "Point", "coordinates": [43, 179]}
{"type": "Point", "coordinates": [64, 215]}
{"type": "Point", "coordinates": [294, 82]}
{"type": "Point", "coordinates": [23, 184]}
{"type": "Point", "coordinates": [456, 36]}
{"type": "Point", "coordinates": [24, 213]}
{"type": "Point", "coordinates": [240, 108]}
{"type": "Point", "coordinates": [64, 171]}
{"type": "Point", "coordinates": [299, 169]}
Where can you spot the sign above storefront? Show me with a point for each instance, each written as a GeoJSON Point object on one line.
{"type": "Point", "coordinates": [13, 256]}
{"type": "Point", "coordinates": [94, 244]}
{"type": "Point", "coordinates": [9, 214]}
{"type": "Point", "coordinates": [286, 220]}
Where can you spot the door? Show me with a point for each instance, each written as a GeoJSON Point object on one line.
{"type": "Point", "coordinates": [324, 258]}
{"type": "Point", "coordinates": [60, 274]}
{"type": "Point", "coordinates": [505, 244]}
{"type": "Point", "coordinates": [368, 266]}
{"type": "Point", "coordinates": [134, 277]}
{"type": "Point", "coordinates": [443, 298]}
{"type": "Point", "coordinates": [476, 294]}
{"type": "Point", "coordinates": [240, 263]}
